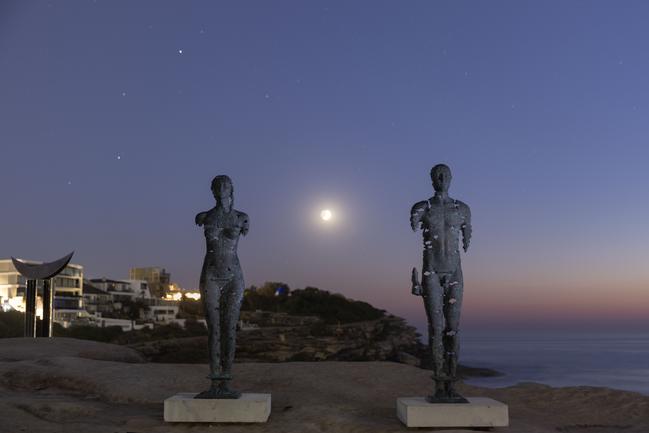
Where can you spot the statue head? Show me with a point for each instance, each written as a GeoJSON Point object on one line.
{"type": "Point", "coordinates": [223, 191]}
{"type": "Point", "coordinates": [441, 177]}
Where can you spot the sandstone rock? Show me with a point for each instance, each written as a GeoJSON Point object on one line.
{"type": "Point", "coordinates": [278, 337]}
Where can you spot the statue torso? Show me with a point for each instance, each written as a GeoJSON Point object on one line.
{"type": "Point", "coordinates": [442, 222]}
{"type": "Point", "coordinates": [222, 232]}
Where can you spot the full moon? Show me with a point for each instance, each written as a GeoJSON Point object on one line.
{"type": "Point", "coordinates": [326, 215]}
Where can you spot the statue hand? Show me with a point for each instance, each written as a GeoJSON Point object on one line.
{"type": "Point", "coordinates": [466, 238]}
{"type": "Point", "coordinates": [416, 287]}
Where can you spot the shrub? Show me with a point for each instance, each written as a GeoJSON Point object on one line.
{"type": "Point", "coordinates": [11, 324]}
{"type": "Point", "coordinates": [106, 334]}
{"type": "Point", "coordinates": [311, 301]}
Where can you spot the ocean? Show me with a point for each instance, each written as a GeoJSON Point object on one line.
{"type": "Point", "coordinates": [616, 360]}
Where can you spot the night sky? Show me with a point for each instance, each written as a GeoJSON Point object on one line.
{"type": "Point", "coordinates": [115, 116]}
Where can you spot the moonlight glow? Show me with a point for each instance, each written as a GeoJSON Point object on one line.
{"type": "Point", "coordinates": [326, 215]}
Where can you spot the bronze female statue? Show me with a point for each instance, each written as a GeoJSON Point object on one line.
{"type": "Point", "coordinates": [221, 284]}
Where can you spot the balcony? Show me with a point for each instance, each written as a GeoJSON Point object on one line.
{"type": "Point", "coordinates": [68, 303]}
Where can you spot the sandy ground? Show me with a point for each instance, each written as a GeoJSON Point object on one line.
{"type": "Point", "coordinates": [66, 385]}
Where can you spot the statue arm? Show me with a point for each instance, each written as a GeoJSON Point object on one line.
{"type": "Point", "coordinates": [466, 227]}
{"type": "Point", "coordinates": [416, 213]}
{"type": "Point", "coordinates": [200, 218]}
{"type": "Point", "coordinates": [245, 223]}
{"type": "Point", "coordinates": [416, 285]}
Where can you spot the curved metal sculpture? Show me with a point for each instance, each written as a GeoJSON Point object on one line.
{"type": "Point", "coordinates": [442, 219]}
{"type": "Point", "coordinates": [45, 272]}
{"type": "Point", "coordinates": [221, 284]}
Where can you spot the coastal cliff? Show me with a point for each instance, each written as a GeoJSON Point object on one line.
{"type": "Point", "coordinates": [278, 337]}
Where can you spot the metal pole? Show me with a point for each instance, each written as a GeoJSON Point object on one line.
{"type": "Point", "coordinates": [30, 309]}
{"type": "Point", "coordinates": [48, 308]}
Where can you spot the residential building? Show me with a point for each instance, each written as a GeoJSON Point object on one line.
{"type": "Point", "coordinates": [140, 288]}
{"type": "Point", "coordinates": [96, 301]}
{"type": "Point", "coordinates": [119, 290]}
{"type": "Point", "coordinates": [158, 279]}
{"type": "Point", "coordinates": [68, 291]}
{"type": "Point", "coordinates": [126, 325]}
{"type": "Point", "coordinates": [161, 311]}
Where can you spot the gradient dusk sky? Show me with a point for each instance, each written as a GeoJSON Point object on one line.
{"type": "Point", "coordinates": [115, 116]}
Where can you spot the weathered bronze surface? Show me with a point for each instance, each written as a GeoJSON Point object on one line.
{"type": "Point", "coordinates": [442, 219]}
{"type": "Point", "coordinates": [221, 284]}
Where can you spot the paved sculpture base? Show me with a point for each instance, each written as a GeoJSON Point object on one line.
{"type": "Point", "coordinates": [248, 408]}
{"type": "Point", "coordinates": [478, 412]}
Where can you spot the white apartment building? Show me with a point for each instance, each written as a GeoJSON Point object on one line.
{"type": "Point", "coordinates": [68, 291]}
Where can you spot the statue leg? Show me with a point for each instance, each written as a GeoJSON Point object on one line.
{"type": "Point", "coordinates": [433, 301]}
{"type": "Point", "coordinates": [211, 303]}
{"type": "Point", "coordinates": [211, 297]}
{"type": "Point", "coordinates": [231, 297]}
{"type": "Point", "coordinates": [454, 288]}
{"type": "Point", "coordinates": [230, 307]}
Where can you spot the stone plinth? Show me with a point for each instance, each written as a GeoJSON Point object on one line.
{"type": "Point", "coordinates": [479, 412]}
{"type": "Point", "coordinates": [248, 408]}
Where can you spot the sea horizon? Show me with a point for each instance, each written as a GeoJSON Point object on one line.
{"type": "Point", "coordinates": [613, 359]}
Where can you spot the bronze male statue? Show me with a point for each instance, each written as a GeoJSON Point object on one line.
{"type": "Point", "coordinates": [221, 284]}
{"type": "Point", "coordinates": [442, 219]}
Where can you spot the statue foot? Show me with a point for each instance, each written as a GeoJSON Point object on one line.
{"type": "Point", "coordinates": [446, 398]}
{"type": "Point", "coordinates": [446, 394]}
{"type": "Point", "coordinates": [454, 397]}
{"type": "Point", "coordinates": [219, 391]}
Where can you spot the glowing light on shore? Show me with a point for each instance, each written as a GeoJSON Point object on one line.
{"type": "Point", "coordinates": [176, 296]}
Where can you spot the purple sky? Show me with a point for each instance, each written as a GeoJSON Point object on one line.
{"type": "Point", "coordinates": [115, 116]}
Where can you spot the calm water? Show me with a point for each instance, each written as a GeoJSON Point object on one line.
{"type": "Point", "coordinates": [560, 359]}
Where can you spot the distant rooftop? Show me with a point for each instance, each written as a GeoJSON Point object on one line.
{"type": "Point", "coordinates": [92, 290]}
{"type": "Point", "coordinates": [108, 280]}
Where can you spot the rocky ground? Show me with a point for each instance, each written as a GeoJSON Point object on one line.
{"type": "Point", "coordinates": [65, 385]}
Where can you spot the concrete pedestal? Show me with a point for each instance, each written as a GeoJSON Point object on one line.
{"type": "Point", "coordinates": [248, 408]}
{"type": "Point", "coordinates": [479, 412]}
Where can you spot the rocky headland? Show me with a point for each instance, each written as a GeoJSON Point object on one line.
{"type": "Point", "coordinates": [279, 337]}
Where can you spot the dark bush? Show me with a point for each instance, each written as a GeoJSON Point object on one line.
{"type": "Point", "coordinates": [191, 308]}
{"type": "Point", "coordinates": [106, 335]}
{"type": "Point", "coordinates": [11, 324]}
{"type": "Point", "coordinates": [194, 327]}
{"type": "Point", "coordinates": [311, 301]}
